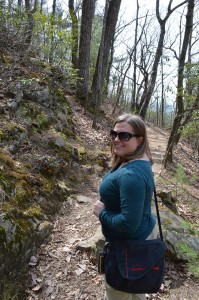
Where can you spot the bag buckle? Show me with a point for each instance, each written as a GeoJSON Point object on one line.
{"type": "Point", "coordinates": [107, 247]}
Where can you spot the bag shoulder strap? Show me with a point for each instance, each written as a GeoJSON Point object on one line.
{"type": "Point", "coordinates": [158, 214]}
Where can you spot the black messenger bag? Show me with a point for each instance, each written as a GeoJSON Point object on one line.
{"type": "Point", "coordinates": [134, 266]}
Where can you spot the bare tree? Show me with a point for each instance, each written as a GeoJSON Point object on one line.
{"type": "Point", "coordinates": [146, 97]}
{"type": "Point", "coordinates": [30, 23]}
{"type": "Point", "coordinates": [113, 7]}
{"type": "Point", "coordinates": [52, 32]}
{"type": "Point", "coordinates": [88, 9]}
{"type": "Point", "coordinates": [120, 28]}
{"type": "Point", "coordinates": [74, 20]}
{"type": "Point", "coordinates": [133, 101]}
{"type": "Point", "coordinates": [174, 137]}
{"type": "Point", "coordinates": [121, 83]}
{"type": "Point", "coordinates": [99, 69]}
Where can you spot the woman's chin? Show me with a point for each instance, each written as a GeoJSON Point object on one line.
{"type": "Point", "coordinates": [116, 152]}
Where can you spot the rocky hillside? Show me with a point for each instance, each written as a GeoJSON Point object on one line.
{"type": "Point", "coordinates": [41, 158]}
{"type": "Point", "coordinates": [66, 266]}
{"type": "Point", "coordinates": [49, 152]}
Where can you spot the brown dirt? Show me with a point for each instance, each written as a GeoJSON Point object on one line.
{"type": "Point", "coordinates": [59, 271]}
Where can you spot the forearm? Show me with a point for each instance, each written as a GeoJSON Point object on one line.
{"type": "Point", "coordinates": [119, 222]}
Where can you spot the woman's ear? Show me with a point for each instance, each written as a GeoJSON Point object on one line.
{"type": "Point", "coordinates": [140, 140]}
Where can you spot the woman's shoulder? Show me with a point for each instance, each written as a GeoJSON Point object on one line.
{"type": "Point", "coordinates": [139, 168]}
{"type": "Point", "coordinates": [139, 164]}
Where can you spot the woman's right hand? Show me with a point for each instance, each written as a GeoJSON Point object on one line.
{"type": "Point", "coordinates": [98, 206]}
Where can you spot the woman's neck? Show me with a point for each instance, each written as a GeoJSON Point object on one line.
{"type": "Point", "coordinates": [144, 157]}
{"type": "Point", "coordinates": [122, 161]}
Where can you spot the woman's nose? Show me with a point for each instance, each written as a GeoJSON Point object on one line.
{"type": "Point", "coordinates": [117, 139]}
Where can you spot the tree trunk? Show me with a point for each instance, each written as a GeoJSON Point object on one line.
{"type": "Point", "coordinates": [122, 82]}
{"type": "Point", "coordinates": [174, 135]}
{"type": "Point", "coordinates": [30, 24]}
{"type": "Point", "coordinates": [146, 97]}
{"type": "Point", "coordinates": [88, 9]}
{"type": "Point", "coordinates": [133, 102]}
{"type": "Point", "coordinates": [41, 6]}
{"type": "Point", "coordinates": [110, 25]}
{"type": "Point", "coordinates": [74, 33]}
{"type": "Point", "coordinates": [105, 94]}
{"type": "Point", "coordinates": [162, 94]}
{"type": "Point", "coordinates": [99, 70]}
{"type": "Point", "coordinates": [52, 33]}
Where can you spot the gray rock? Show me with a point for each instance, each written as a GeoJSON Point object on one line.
{"type": "Point", "coordinates": [180, 240]}
{"type": "Point", "coordinates": [83, 199]}
{"type": "Point", "coordinates": [93, 243]}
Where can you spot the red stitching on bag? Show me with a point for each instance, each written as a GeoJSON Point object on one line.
{"type": "Point", "coordinates": [138, 269]}
{"type": "Point", "coordinates": [156, 268]}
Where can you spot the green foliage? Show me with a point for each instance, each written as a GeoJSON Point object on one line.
{"type": "Point", "coordinates": [29, 81]}
{"type": "Point", "coordinates": [179, 182]}
{"type": "Point", "coordinates": [50, 34]}
{"type": "Point", "coordinates": [2, 238]}
{"type": "Point", "coordinates": [191, 227]}
{"type": "Point", "coordinates": [179, 179]}
{"type": "Point", "coordinates": [180, 174]}
{"type": "Point", "coordinates": [14, 20]}
{"type": "Point", "coordinates": [2, 135]}
{"type": "Point", "coordinates": [194, 268]}
{"type": "Point", "coordinates": [192, 257]}
{"type": "Point", "coordinates": [191, 74]}
{"type": "Point", "coordinates": [192, 128]}
{"type": "Point", "coordinates": [6, 160]}
{"type": "Point", "coordinates": [186, 249]}
{"type": "Point", "coordinates": [40, 18]}
{"type": "Point", "coordinates": [53, 35]}
{"type": "Point", "coordinates": [12, 288]}
{"type": "Point", "coordinates": [193, 179]}
{"type": "Point", "coordinates": [43, 121]}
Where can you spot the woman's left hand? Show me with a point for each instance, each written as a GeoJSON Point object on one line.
{"type": "Point", "coordinates": [98, 206]}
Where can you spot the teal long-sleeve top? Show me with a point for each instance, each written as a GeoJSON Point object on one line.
{"type": "Point", "coordinates": [126, 194]}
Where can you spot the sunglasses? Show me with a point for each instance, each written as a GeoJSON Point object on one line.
{"type": "Point", "coordinates": [123, 136]}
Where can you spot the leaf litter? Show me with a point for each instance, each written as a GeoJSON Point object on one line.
{"type": "Point", "coordinates": [61, 272]}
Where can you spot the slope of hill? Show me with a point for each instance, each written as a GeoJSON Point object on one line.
{"type": "Point", "coordinates": [50, 158]}
{"type": "Point", "coordinates": [62, 272]}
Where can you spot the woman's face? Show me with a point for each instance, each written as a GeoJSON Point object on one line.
{"type": "Point", "coordinates": [122, 148]}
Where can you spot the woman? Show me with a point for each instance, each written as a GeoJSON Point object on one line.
{"type": "Point", "coordinates": [126, 191]}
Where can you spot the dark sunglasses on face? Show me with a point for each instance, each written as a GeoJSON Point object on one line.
{"type": "Point", "coordinates": [123, 136]}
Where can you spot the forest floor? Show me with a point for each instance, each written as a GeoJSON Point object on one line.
{"type": "Point", "coordinates": [60, 271]}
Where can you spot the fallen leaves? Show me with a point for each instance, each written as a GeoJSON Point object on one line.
{"type": "Point", "coordinates": [62, 273]}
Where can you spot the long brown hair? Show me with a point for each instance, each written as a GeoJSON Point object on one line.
{"type": "Point", "coordinates": [139, 128]}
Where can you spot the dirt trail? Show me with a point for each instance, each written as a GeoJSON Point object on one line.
{"type": "Point", "coordinates": [60, 271]}
{"type": "Point", "coordinates": [158, 142]}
